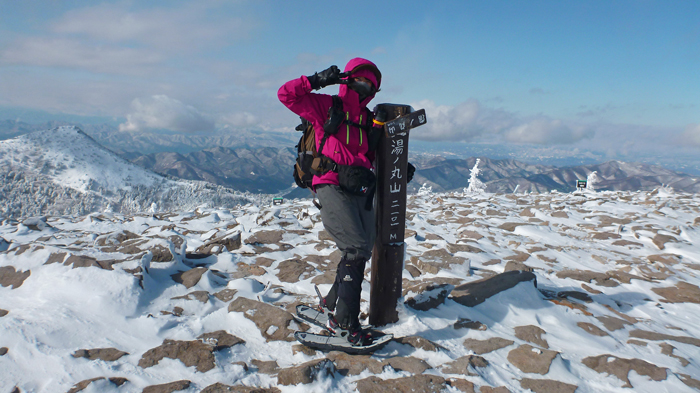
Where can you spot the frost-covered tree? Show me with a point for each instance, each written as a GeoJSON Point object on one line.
{"type": "Point", "coordinates": [591, 180]}
{"type": "Point", "coordinates": [425, 189]}
{"type": "Point", "coordinates": [476, 186]}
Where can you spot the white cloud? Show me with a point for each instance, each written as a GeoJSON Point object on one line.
{"type": "Point", "coordinates": [545, 131]}
{"type": "Point", "coordinates": [114, 38]}
{"type": "Point", "coordinates": [72, 53]}
{"type": "Point", "coordinates": [470, 121]}
{"type": "Point", "coordinates": [187, 27]}
{"type": "Point", "coordinates": [691, 135]}
{"type": "Point", "coordinates": [242, 119]}
{"type": "Point", "coordinates": [165, 113]}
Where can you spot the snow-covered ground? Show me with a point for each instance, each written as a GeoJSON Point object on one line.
{"type": "Point", "coordinates": [616, 302]}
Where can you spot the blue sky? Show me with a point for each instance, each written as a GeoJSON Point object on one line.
{"type": "Point", "coordinates": [538, 72]}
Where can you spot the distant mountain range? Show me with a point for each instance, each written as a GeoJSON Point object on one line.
{"type": "Point", "coordinates": [65, 171]}
{"type": "Point", "coordinates": [269, 170]}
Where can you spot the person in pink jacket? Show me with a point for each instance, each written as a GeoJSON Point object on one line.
{"type": "Point", "coordinates": [345, 183]}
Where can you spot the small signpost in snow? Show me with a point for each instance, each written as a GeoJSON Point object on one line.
{"type": "Point", "coordinates": [581, 184]}
{"type": "Point", "coordinates": [388, 255]}
{"type": "Point", "coordinates": [277, 201]}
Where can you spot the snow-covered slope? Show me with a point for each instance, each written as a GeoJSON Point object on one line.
{"type": "Point", "coordinates": [118, 303]}
{"type": "Point", "coordinates": [71, 158]}
{"type": "Point", "coordinates": [64, 171]}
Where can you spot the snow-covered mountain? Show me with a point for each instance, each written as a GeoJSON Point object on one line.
{"type": "Point", "coordinates": [64, 171]}
{"type": "Point", "coordinates": [69, 157]}
{"type": "Point", "coordinates": [200, 300]}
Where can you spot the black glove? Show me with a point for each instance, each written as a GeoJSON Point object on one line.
{"type": "Point", "coordinates": [327, 77]}
{"type": "Point", "coordinates": [411, 170]}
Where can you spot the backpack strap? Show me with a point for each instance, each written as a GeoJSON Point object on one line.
{"type": "Point", "coordinates": [337, 103]}
{"type": "Point", "coordinates": [327, 164]}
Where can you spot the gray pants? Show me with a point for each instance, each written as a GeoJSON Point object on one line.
{"type": "Point", "coordinates": [348, 222]}
{"type": "Point", "coordinates": [352, 227]}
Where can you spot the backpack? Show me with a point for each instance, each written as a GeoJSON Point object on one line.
{"type": "Point", "coordinates": [310, 162]}
{"type": "Point", "coordinates": [306, 149]}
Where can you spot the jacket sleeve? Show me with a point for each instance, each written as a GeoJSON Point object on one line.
{"type": "Point", "coordinates": [297, 96]}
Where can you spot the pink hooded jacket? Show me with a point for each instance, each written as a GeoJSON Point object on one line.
{"type": "Point", "coordinates": [350, 145]}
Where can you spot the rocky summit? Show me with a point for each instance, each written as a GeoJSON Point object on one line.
{"type": "Point", "coordinates": [555, 292]}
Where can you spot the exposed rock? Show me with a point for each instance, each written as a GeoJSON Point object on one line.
{"type": "Point", "coordinates": [547, 386]}
{"type": "Point", "coordinates": [474, 293]}
{"type": "Point", "coordinates": [485, 346]}
{"type": "Point", "coordinates": [115, 238]}
{"type": "Point", "coordinates": [620, 367]}
{"type": "Point", "coordinates": [191, 353]}
{"type": "Point", "coordinates": [201, 296]}
{"type": "Point", "coordinates": [465, 323]}
{"type": "Point", "coordinates": [592, 329]}
{"type": "Point", "coordinates": [167, 387]}
{"type": "Point", "coordinates": [291, 270]}
{"type": "Point", "coordinates": [432, 297]}
{"type": "Point", "coordinates": [84, 384]}
{"type": "Point", "coordinates": [273, 322]}
{"type": "Point", "coordinates": [86, 261]}
{"type": "Point", "coordinates": [582, 296]}
{"type": "Point", "coordinates": [413, 384]}
{"type": "Point", "coordinates": [246, 270]}
{"type": "Point", "coordinates": [220, 339]}
{"type": "Point", "coordinates": [413, 271]}
{"type": "Point", "coordinates": [161, 254]}
{"type": "Point", "coordinates": [3, 351]}
{"type": "Point", "coordinates": [37, 223]}
{"type": "Point", "coordinates": [106, 354]}
{"type": "Point", "coordinates": [265, 367]}
{"type": "Point", "coordinates": [56, 257]}
{"type": "Point", "coordinates": [433, 260]}
{"type": "Point", "coordinates": [588, 276]}
{"type": "Point", "coordinates": [514, 265]}
{"type": "Point", "coordinates": [519, 257]}
{"type": "Point", "coordinates": [489, 389]}
{"type": "Point", "coordinates": [300, 348]}
{"type": "Point", "coordinates": [461, 247]}
{"type": "Point", "coordinates": [683, 292]}
{"type": "Point", "coordinates": [226, 295]}
{"type": "Point", "coordinates": [627, 243]}
{"type": "Point", "coordinates": [190, 277]}
{"type": "Point", "coordinates": [221, 388]}
{"type": "Point", "coordinates": [666, 259]}
{"type": "Point", "coordinates": [510, 226]}
{"type": "Point", "coordinates": [660, 240]}
{"type": "Point", "coordinates": [305, 373]}
{"type": "Point", "coordinates": [667, 349]}
{"type": "Point", "coordinates": [407, 363]}
{"type": "Point", "coordinates": [532, 360]}
{"type": "Point", "coordinates": [265, 237]}
{"type": "Point", "coordinates": [461, 385]}
{"type": "Point", "coordinates": [690, 381]}
{"type": "Point", "coordinates": [532, 334]}
{"type": "Point", "coordinates": [10, 276]}
{"type": "Point", "coordinates": [612, 323]}
{"type": "Point", "coordinates": [605, 236]}
{"type": "Point", "coordinates": [653, 336]}
{"type": "Point", "coordinates": [228, 242]}
{"type": "Point", "coordinates": [637, 342]}
{"type": "Point", "coordinates": [3, 312]}
{"type": "Point", "coordinates": [465, 365]}
{"type": "Point", "coordinates": [418, 343]}
{"type": "Point", "coordinates": [347, 364]}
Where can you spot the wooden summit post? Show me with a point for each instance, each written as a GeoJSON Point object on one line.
{"type": "Point", "coordinates": [388, 254]}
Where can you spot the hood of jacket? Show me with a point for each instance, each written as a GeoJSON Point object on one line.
{"type": "Point", "coordinates": [359, 67]}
